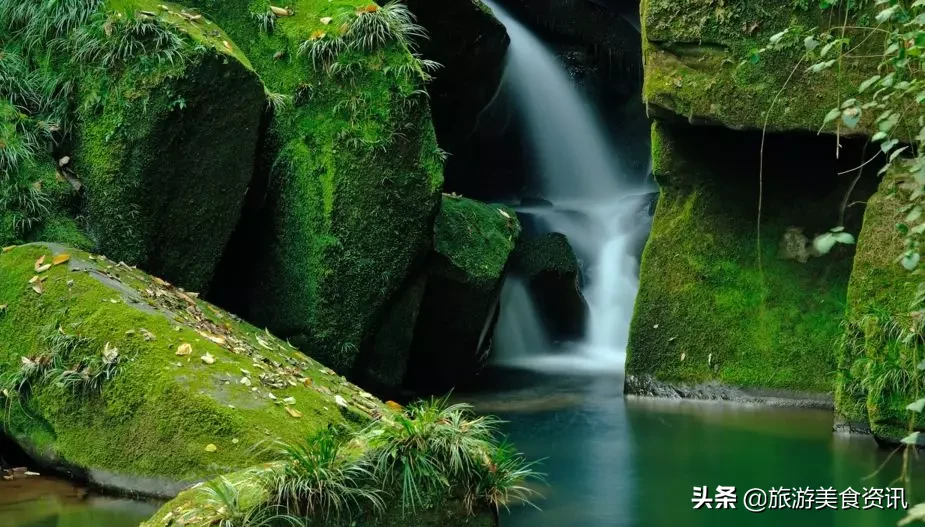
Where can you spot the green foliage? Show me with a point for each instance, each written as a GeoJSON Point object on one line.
{"type": "Point", "coordinates": [108, 41]}
{"type": "Point", "coordinates": [224, 504]}
{"type": "Point", "coordinates": [426, 455]}
{"type": "Point", "coordinates": [368, 29]}
{"type": "Point", "coordinates": [318, 479]}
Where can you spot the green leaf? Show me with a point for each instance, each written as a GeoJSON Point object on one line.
{"type": "Point", "coordinates": [902, 228]}
{"type": "Point", "coordinates": [879, 136]}
{"type": "Point", "coordinates": [824, 243]}
{"type": "Point", "coordinates": [914, 214]}
{"type": "Point", "coordinates": [775, 38]}
{"type": "Point", "coordinates": [851, 117]}
{"type": "Point", "coordinates": [810, 43]}
{"type": "Point", "coordinates": [911, 439]}
{"type": "Point", "coordinates": [888, 145]}
{"type": "Point", "coordinates": [886, 14]}
{"type": "Point", "coordinates": [832, 115]}
{"type": "Point", "coordinates": [868, 83]}
{"type": "Point", "coordinates": [896, 153]}
{"type": "Point", "coordinates": [910, 260]}
{"type": "Point", "coordinates": [917, 406]}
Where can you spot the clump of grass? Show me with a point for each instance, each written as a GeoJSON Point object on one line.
{"type": "Point", "coordinates": [41, 24]}
{"type": "Point", "coordinates": [368, 29]}
{"type": "Point", "coordinates": [321, 479]}
{"type": "Point", "coordinates": [116, 40]}
{"type": "Point", "coordinates": [89, 374]}
{"type": "Point", "coordinates": [277, 102]}
{"type": "Point", "coordinates": [265, 20]}
{"type": "Point", "coordinates": [224, 505]}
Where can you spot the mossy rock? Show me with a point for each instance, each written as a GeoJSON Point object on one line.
{"type": "Point", "coordinates": [880, 294]}
{"type": "Point", "coordinates": [166, 151]}
{"type": "Point", "coordinates": [708, 309]}
{"type": "Point", "coordinates": [36, 201]}
{"type": "Point", "coordinates": [473, 242]}
{"type": "Point", "coordinates": [149, 428]}
{"type": "Point", "coordinates": [553, 275]}
{"type": "Point", "coordinates": [449, 514]}
{"type": "Point", "coordinates": [697, 64]}
{"type": "Point", "coordinates": [355, 175]}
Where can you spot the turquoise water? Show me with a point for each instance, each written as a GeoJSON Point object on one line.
{"type": "Point", "coordinates": [614, 461]}
{"type": "Point", "coordinates": [46, 502]}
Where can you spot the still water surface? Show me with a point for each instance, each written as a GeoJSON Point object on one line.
{"type": "Point", "coordinates": [614, 461]}
{"type": "Point", "coordinates": [46, 502]}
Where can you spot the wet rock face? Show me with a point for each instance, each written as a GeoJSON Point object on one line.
{"type": "Point", "coordinates": [470, 44]}
{"type": "Point", "coordinates": [552, 272]}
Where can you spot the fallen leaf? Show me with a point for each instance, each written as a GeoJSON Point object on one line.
{"type": "Point", "coordinates": [505, 214]}
{"type": "Point", "coordinates": [393, 405]}
{"type": "Point", "coordinates": [245, 381]}
{"type": "Point", "coordinates": [289, 400]}
{"type": "Point", "coordinates": [43, 268]}
{"type": "Point", "coordinates": [227, 45]}
{"type": "Point", "coordinates": [208, 359]}
{"type": "Point", "coordinates": [34, 279]}
{"type": "Point", "coordinates": [3, 308]}
{"type": "Point", "coordinates": [40, 262]}
{"type": "Point", "coordinates": [340, 401]}
{"type": "Point", "coordinates": [38, 288]}
{"type": "Point", "coordinates": [317, 35]}
{"type": "Point", "coordinates": [60, 259]}
{"type": "Point", "coordinates": [326, 20]}
{"type": "Point", "coordinates": [211, 448]}
{"type": "Point", "coordinates": [9, 248]}
{"type": "Point", "coordinates": [64, 160]}
{"type": "Point", "coordinates": [307, 382]}
{"type": "Point", "coordinates": [184, 349]}
{"type": "Point", "coordinates": [280, 11]}
{"type": "Point", "coordinates": [294, 413]}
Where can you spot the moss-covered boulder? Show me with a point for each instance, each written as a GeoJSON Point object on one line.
{"type": "Point", "coordinates": [354, 170]}
{"type": "Point", "coordinates": [878, 372]}
{"type": "Point", "coordinates": [719, 302]}
{"type": "Point", "coordinates": [553, 275]}
{"type": "Point", "coordinates": [166, 147]}
{"type": "Point", "coordinates": [700, 64]}
{"type": "Point", "coordinates": [119, 378]}
{"type": "Point", "coordinates": [472, 244]}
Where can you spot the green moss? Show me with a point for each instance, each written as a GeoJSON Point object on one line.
{"type": "Point", "coordinates": [878, 374]}
{"type": "Point", "coordinates": [706, 310]}
{"type": "Point", "coordinates": [156, 417]}
{"type": "Point", "coordinates": [355, 179]}
{"type": "Point", "coordinates": [696, 66]}
{"type": "Point", "coordinates": [475, 238]}
{"type": "Point", "coordinates": [166, 152]}
{"type": "Point", "coordinates": [548, 253]}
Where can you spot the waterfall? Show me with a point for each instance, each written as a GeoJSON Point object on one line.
{"type": "Point", "coordinates": [596, 202]}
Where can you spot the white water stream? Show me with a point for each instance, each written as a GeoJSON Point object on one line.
{"type": "Point", "coordinates": [597, 199]}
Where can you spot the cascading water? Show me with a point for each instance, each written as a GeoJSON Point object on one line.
{"type": "Point", "coordinates": [598, 202]}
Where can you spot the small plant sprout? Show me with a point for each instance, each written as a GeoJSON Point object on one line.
{"type": "Point", "coordinates": [824, 243]}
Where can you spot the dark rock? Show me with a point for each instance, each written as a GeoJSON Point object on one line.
{"type": "Point", "coordinates": [470, 44]}
{"type": "Point", "coordinates": [553, 275]}
{"type": "Point", "coordinates": [472, 244]}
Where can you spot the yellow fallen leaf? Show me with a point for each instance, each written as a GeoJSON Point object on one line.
{"type": "Point", "coordinates": [308, 382]}
{"type": "Point", "coordinates": [43, 268]}
{"type": "Point", "coordinates": [393, 405]}
{"type": "Point", "coordinates": [294, 413]}
{"type": "Point", "coordinates": [60, 259]}
{"type": "Point", "coordinates": [184, 349]}
{"type": "Point", "coordinates": [37, 287]}
{"type": "Point", "coordinates": [3, 308]}
{"type": "Point", "coordinates": [326, 20]}
{"type": "Point", "coordinates": [34, 279]}
{"type": "Point", "coordinates": [40, 262]}
{"type": "Point", "coordinates": [160, 282]}
{"type": "Point", "coordinates": [317, 35]}
{"type": "Point", "coordinates": [211, 448]}
{"type": "Point", "coordinates": [208, 358]}
{"type": "Point", "coordinates": [280, 11]}
{"type": "Point", "coordinates": [9, 248]}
